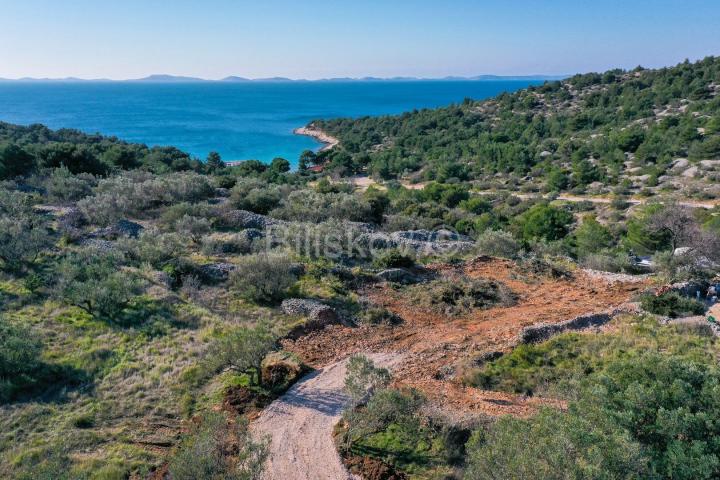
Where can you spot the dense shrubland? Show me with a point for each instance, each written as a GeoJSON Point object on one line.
{"type": "Point", "coordinates": [570, 133]}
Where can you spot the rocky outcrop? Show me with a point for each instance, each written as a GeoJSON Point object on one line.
{"type": "Point", "coordinates": [318, 314]}
{"type": "Point", "coordinates": [423, 242]}
{"type": "Point", "coordinates": [429, 236]}
{"type": "Point", "coordinates": [123, 228]}
{"type": "Point", "coordinates": [217, 272]}
{"type": "Point", "coordinates": [104, 246]}
{"type": "Point", "coordinates": [244, 219]}
{"type": "Point", "coordinates": [487, 357]}
{"type": "Point", "coordinates": [222, 192]}
{"type": "Point", "coordinates": [398, 275]}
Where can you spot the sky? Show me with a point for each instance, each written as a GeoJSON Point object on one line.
{"type": "Point", "coordinates": [123, 39]}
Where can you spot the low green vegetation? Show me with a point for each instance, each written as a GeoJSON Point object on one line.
{"type": "Point", "coordinates": [642, 404]}
{"type": "Point", "coordinates": [393, 258]}
{"type": "Point", "coordinates": [672, 305]}
{"type": "Point", "coordinates": [461, 294]}
{"type": "Point", "coordinates": [383, 423]}
{"type": "Point", "coordinates": [205, 451]}
{"type": "Point", "coordinates": [264, 278]}
{"type": "Point", "coordinates": [532, 369]}
{"type": "Point", "coordinates": [554, 445]}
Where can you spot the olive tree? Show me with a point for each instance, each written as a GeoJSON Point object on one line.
{"type": "Point", "coordinates": [241, 350]}
{"type": "Point", "coordinates": [96, 282]}
{"type": "Point", "coordinates": [264, 278]}
{"type": "Point", "coordinates": [23, 232]}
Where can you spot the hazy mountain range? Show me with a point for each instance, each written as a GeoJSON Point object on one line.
{"type": "Point", "coordinates": [235, 79]}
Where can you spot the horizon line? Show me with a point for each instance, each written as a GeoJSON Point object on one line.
{"type": "Point", "coordinates": [167, 78]}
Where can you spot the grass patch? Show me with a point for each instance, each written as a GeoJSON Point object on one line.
{"type": "Point", "coordinates": [531, 369]}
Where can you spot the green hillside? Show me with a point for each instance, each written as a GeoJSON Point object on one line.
{"type": "Point", "coordinates": [588, 128]}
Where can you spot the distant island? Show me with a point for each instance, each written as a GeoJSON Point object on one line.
{"type": "Point", "coordinates": [163, 78]}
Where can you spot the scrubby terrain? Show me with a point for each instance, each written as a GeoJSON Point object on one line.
{"type": "Point", "coordinates": [156, 311]}
{"type": "Point", "coordinates": [643, 130]}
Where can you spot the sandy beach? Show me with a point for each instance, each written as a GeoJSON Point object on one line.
{"type": "Point", "coordinates": [319, 135]}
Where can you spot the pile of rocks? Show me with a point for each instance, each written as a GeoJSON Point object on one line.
{"type": "Point", "coordinates": [123, 228]}
{"type": "Point", "coordinates": [218, 272]}
{"type": "Point", "coordinates": [398, 275]}
{"type": "Point", "coordinates": [424, 242]}
{"type": "Point", "coordinates": [244, 219]}
{"type": "Point", "coordinates": [318, 314]}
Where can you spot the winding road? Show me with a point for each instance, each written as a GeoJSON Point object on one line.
{"type": "Point", "coordinates": [300, 424]}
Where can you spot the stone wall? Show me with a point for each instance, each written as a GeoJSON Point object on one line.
{"type": "Point", "coordinates": [544, 331]}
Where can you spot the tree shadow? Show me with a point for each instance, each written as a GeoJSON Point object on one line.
{"type": "Point", "coordinates": [50, 383]}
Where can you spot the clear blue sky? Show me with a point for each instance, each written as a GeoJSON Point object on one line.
{"type": "Point", "coordinates": [322, 38]}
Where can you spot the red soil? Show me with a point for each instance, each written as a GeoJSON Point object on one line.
{"type": "Point", "coordinates": [434, 344]}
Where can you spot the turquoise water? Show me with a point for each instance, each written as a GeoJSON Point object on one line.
{"type": "Point", "coordinates": [240, 121]}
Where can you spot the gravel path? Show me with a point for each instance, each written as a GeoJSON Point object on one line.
{"type": "Point", "coordinates": [300, 425]}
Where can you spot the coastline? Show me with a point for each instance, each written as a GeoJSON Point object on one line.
{"type": "Point", "coordinates": [329, 142]}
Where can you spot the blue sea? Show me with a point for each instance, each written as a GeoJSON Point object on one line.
{"type": "Point", "coordinates": [240, 121]}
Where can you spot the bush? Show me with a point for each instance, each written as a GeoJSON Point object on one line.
{"type": "Point", "coordinates": [387, 409]}
{"type": "Point", "coordinates": [264, 278]}
{"type": "Point", "coordinates": [14, 161]}
{"type": "Point", "coordinates": [554, 445]}
{"type": "Point", "coordinates": [393, 258]}
{"type": "Point", "coordinates": [376, 315]}
{"type": "Point", "coordinates": [607, 263]}
{"type": "Point", "coordinates": [363, 378]}
{"type": "Point", "coordinates": [458, 295]}
{"type": "Point", "coordinates": [498, 244]}
{"type": "Point", "coordinates": [177, 211]}
{"type": "Point", "coordinates": [256, 196]}
{"type": "Point", "coordinates": [135, 192]}
{"type": "Point", "coordinates": [668, 404]}
{"type": "Point", "coordinates": [310, 206]}
{"type": "Point", "coordinates": [152, 247]}
{"type": "Point", "coordinates": [237, 243]}
{"type": "Point", "coordinates": [332, 240]}
{"type": "Point", "coordinates": [591, 237]}
{"type": "Point", "coordinates": [63, 186]}
{"type": "Point", "coordinates": [193, 227]}
{"type": "Point", "coordinates": [205, 451]}
{"type": "Point", "coordinates": [672, 305]}
{"type": "Point", "coordinates": [543, 222]}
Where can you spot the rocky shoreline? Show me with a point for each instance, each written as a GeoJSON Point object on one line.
{"type": "Point", "coordinates": [310, 131]}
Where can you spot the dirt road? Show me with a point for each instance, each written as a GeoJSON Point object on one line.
{"type": "Point", "coordinates": [300, 425]}
{"type": "Point", "coordinates": [363, 182]}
